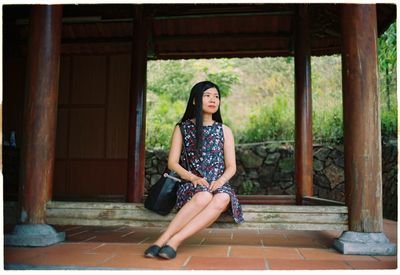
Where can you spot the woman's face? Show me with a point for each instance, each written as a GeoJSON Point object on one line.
{"type": "Point", "coordinates": [210, 101]}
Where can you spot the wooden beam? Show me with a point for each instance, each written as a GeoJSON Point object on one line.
{"type": "Point", "coordinates": [303, 109]}
{"type": "Point", "coordinates": [137, 108]}
{"type": "Point", "coordinates": [222, 53]}
{"type": "Point", "coordinates": [361, 110]}
{"type": "Point", "coordinates": [211, 11]}
{"type": "Point", "coordinates": [177, 38]}
{"type": "Point", "coordinates": [219, 15]}
{"type": "Point", "coordinates": [40, 117]}
{"type": "Point", "coordinates": [224, 36]}
{"type": "Point", "coordinates": [267, 199]}
{"type": "Point", "coordinates": [320, 201]}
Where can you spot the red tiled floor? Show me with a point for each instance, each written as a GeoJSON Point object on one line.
{"type": "Point", "coordinates": [373, 265]}
{"type": "Point", "coordinates": [23, 255]}
{"type": "Point", "coordinates": [122, 247]}
{"type": "Point", "coordinates": [243, 240]}
{"type": "Point", "coordinates": [220, 231]}
{"type": "Point", "coordinates": [295, 242]}
{"type": "Point", "coordinates": [140, 262]}
{"type": "Point", "coordinates": [386, 258]}
{"type": "Point", "coordinates": [273, 237]}
{"type": "Point", "coordinates": [20, 255]}
{"type": "Point", "coordinates": [306, 265]}
{"type": "Point", "coordinates": [245, 232]}
{"type": "Point", "coordinates": [217, 263]}
{"type": "Point", "coordinates": [265, 252]}
{"type": "Point", "coordinates": [217, 240]}
{"type": "Point", "coordinates": [142, 237]}
{"type": "Point", "coordinates": [204, 250]}
{"type": "Point", "coordinates": [195, 240]}
{"type": "Point", "coordinates": [330, 254]}
{"type": "Point", "coordinates": [69, 247]}
{"type": "Point", "coordinates": [69, 259]}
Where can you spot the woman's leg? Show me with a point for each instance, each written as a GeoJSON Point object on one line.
{"type": "Point", "coordinates": [198, 202]}
{"type": "Point", "coordinates": [205, 218]}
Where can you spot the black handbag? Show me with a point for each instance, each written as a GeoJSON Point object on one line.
{"type": "Point", "coordinates": [162, 195]}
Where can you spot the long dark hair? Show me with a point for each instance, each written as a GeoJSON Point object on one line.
{"type": "Point", "coordinates": [195, 110]}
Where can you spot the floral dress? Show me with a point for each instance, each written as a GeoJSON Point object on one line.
{"type": "Point", "coordinates": [209, 165]}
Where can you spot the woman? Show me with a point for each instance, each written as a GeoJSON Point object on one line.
{"type": "Point", "coordinates": [205, 192]}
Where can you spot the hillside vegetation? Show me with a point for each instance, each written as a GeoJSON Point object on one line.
{"type": "Point", "coordinates": [258, 95]}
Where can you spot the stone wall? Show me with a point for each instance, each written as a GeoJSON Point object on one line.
{"type": "Point", "coordinates": [268, 169]}
{"type": "Point", "coordinates": [389, 179]}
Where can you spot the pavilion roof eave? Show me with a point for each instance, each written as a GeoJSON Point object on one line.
{"type": "Point", "coordinates": [187, 31]}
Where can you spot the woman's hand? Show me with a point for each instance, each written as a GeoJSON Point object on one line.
{"type": "Point", "coordinates": [199, 181]}
{"type": "Point", "coordinates": [217, 184]}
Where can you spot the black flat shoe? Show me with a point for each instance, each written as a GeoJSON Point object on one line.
{"type": "Point", "coordinates": [167, 252]}
{"type": "Point", "coordinates": [152, 251]}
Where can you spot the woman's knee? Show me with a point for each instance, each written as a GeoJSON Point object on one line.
{"type": "Point", "coordinates": [220, 201]}
{"type": "Point", "coordinates": [202, 198]}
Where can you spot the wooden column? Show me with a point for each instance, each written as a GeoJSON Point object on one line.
{"type": "Point", "coordinates": [40, 113]}
{"type": "Point", "coordinates": [137, 108]}
{"type": "Point", "coordinates": [361, 110]}
{"type": "Point", "coordinates": [303, 109]}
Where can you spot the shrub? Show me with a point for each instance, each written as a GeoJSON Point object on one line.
{"type": "Point", "coordinates": [389, 123]}
{"type": "Point", "coordinates": [274, 122]}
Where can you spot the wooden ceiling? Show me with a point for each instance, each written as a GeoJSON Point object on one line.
{"type": "Point", "coordinates": [181, 31]}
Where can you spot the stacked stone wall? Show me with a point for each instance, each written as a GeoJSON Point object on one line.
{"type": "Point", "coordinates": [268, 169]}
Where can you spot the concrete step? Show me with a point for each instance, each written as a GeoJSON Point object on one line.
{"type": "Point", "coordinates": [257, 216]}
{"type": "Point", "coordinates": [282, 217]}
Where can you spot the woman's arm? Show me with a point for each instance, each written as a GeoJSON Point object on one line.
{"type": "Point", "coordinates": [174, 156]}
{"type": "Point", "coordinates": [230, 159]}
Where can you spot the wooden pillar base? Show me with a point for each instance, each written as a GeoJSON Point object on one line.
{"type": "Point", "coordinates": [359, 243]}
{"type": "Point", "coordinates": [34, 235]}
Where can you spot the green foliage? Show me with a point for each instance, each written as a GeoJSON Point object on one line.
{"type": "Point", "coordinates": [221, 72]}
{"type": "Point", "coordinates": [247, 188]}
{"type": "Point", "coordinates": [168, 89]}
{"type": "Point", "coordinates": [387, 56]}
{"type": "Point", "coordinates": [328, 125]}
{"type": "Point", "coordinates": [389, 123]}
{"type": "Point", "coordinates": [258, 95]}
{"type": "Point", "coordinates": [327, 113]}
{"type": "Point", "coordinates": [170, 78]}
{"type": "Point", "coordinates": [161, 119]}
{"type": "Point", "coordinates": [224, 81]}
{"type": "Point", "coordinates": [387, 48]}
{"type": "Point", "coordinates": [269, 122]}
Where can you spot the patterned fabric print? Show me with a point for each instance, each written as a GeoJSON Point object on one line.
{"type": "Point", "coordinates": [209, 165]}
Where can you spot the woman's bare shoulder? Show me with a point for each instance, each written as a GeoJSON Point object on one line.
{"type": "Point", "coordinates": [226, 129]}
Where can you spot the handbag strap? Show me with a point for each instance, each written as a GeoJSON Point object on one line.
{"type": "Point", "coordinates": [183, 146]}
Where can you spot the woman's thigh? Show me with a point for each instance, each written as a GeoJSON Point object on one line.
{"type": "Point", "coordinates": [220, 201]}
{"type": "Point", "coordinates": [201, 199]}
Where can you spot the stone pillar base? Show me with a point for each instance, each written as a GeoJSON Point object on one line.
{"type": "Point", "coordinates": [360, 243]}
{"type": "Point", "coordinates": [33, 235]}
